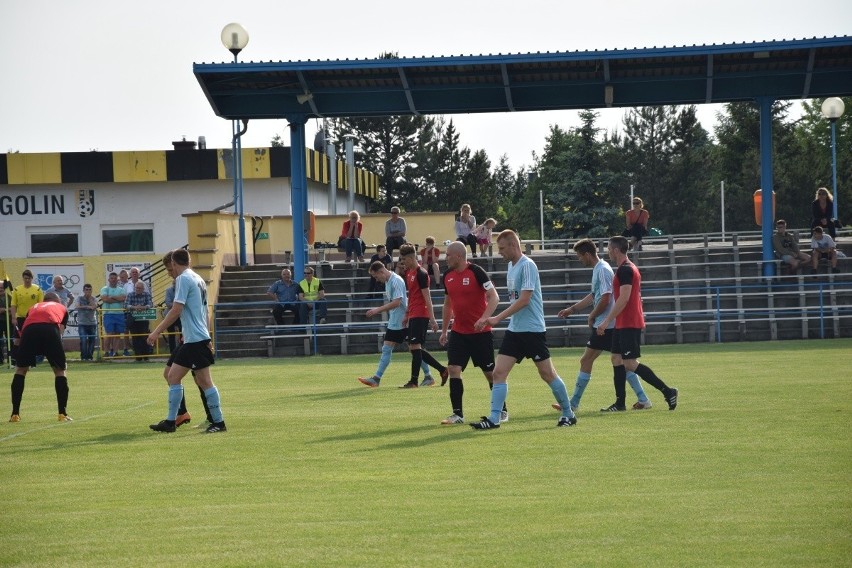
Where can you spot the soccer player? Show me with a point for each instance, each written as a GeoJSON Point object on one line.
{"type": "Point", "coordinates": [41, 334]}
{"type": "Point", "coordinates": [525, 336]}
{"type": "Point", "coordinates": [196, 352]}
{"type": "Point", "coordinates": [629, 323]}
{"type": "Point", "coordinates": [420, 316]}
{"type": "Point", "coordinates": [469, 296]}
{"type": "Point", "coordinates": [396, 304]}
{"type": "Point", "coordinates": [183, 416]}
{"type": "Point", "coordinates": [601, 301]}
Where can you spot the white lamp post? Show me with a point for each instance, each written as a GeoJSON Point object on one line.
{"type": "Point", "coordinates": [832, 109]}
{"type": "Point", "coordinates": [235, 38]}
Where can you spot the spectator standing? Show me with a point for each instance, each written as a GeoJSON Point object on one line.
{"type": "Point", "coordinates": [351, 234]}
{"type": "Point", "coordinates": [786, 245]}
{"type": "Point", "coordinates": [128, 279]}
{"type": "Point", "coordinates": [395, 231]}
{"type": "Point", "coordinates": [24, 297]}
{"type": "Point", "coordinates": [87, 322]}
{"type": "Point", "coordinates": [601, 301]}
{"type": "Point", "coordinates": [823, 246]}
{"type": "Point", "coordinates": [629, 323]}
{"type": "Point", "coordinates": [137, 301]}
{"type": "Point", "coordinates": [469, 297]}
{"type": "Point", "coordinates": [525, 336]}
{"type": "Point", "coordinates": [112, 298]}
{"type": "Point", "coordinates": [483, 235]}
{"type": "Point", "coordinates": [6, 325]}
{"type": "Point", "coordinates": [285, 291]}
{"type": "Point", "coordinates": [196, 353]}
{"type": "Point", "coordinates": [637, 223]}
{"type": "Point", "coordinates": [465, 223]}
{"type": "Point", "coordinates": [377, 287]}
{"type": "Point", "coordinates": [312, 298]}
{"type": "Point", "coordinates": [66, 297]}
{"type": "Point", "coordinates": [429, 256]}
{"type": "Point", "coordinates": [420, 317]}
{"type": "Point", "coordinates": [41, 334]}
{"type": "Point", "coordinates": [822, 212]}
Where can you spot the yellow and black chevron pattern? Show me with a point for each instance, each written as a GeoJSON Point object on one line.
{"type": "Point", "coordinates": [170, 165]}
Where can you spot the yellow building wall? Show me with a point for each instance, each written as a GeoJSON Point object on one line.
{"type": "Point", "coordinates": [139, 166]}
{"type": "Point", "coordinates": [34, 168]}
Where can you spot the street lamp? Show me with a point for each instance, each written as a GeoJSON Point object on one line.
{"type": "Point", "coordinates": [832, 109]}
{"type": "Point", "coordinates": [235, 38]}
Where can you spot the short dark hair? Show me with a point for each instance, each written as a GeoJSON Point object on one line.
{"type": "Point", "coordinates": [180, 257]}
{"type": "Point", "coordinates": [619, 243]}
{"type": "Point", "coordinates": [167, 258]}
{"type": "Point", "coordinates": [51, 297]}
{"type": "Point", "coordinates": [585, 246]}
{"type": "Point", "coordinates": [376, 267]}
{"type": "Point", "coordinates": [27, 272]}
{"type": "Point", "coordinates": [407, 249]}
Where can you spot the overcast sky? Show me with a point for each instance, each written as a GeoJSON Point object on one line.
{"type": "Point", "coordinates": [112, 75]}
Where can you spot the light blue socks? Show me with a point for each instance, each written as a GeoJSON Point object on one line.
{"type": "Point", "coordinates": [212, 396]}
{"type": "Point", "coordinates": [498, 399]}
{"type": "Point", "coordinates": [175, 396]}
{"type": "Point", "coordinates": [579, 387]}
{"type": "Point", "coordinates": [633, 380]}
{"type": "Point", "coordinates": [384, 360]}
{"type": "Point", "coordinates": [561, 395]}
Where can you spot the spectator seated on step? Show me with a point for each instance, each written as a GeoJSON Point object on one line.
{"type": "Point", "coordinates": [312, 298]}
{"type": "Point", "coordinates": [786, 246]}
{"type": "Point", "coordinates": [285, 291]}
{"type": "Point", "coordinates": [822, 246]}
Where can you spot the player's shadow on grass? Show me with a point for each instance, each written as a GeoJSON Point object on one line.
{"type": "Point", "coordinates": [432, 433]}
{"type": "Point", "coordinates": [339, 394]}
{"type": "Point", "coordinates": [64, 445]}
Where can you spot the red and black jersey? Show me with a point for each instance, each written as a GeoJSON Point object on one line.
{"type": "Point", "coordinates": [631, 316]}
{"type": "Point", "coordinates": [415, 281]}
{"type": "Point", "coordinates": [47, 312]}
{"type": "Point", "coordinates": [467, 292]}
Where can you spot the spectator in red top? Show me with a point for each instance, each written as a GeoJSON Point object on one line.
{"type": "Point", "coordinates": [637, 223]}
{"type": "Point", "coordinates": [351, 235]}
{"type": "Point", "coordinates": [469, 296]}
{"type": "Point", "coordinates": [420, 316]}
{"type": "Point", "coordinates": [42, 335]}
{"type": "Point", "coordinates": [629, 323]}
{"type": "Point", "coordinates": [429, 256]}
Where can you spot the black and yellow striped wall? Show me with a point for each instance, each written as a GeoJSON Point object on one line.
{"type": "Point", "coordinates": [171, 165]}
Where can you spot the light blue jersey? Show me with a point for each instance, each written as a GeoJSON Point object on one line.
{"type": "Point", "coordinates": [191, 291]}
{"type": "Point", "coordinates": [602, 284]}
{"type": "Point", "coordinates": [524, 276]}
{"type": "Point", "coordinates": [395, 288]}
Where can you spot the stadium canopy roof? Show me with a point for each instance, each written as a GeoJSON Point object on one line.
{"type": "Point", "coordinates": [786, 69]}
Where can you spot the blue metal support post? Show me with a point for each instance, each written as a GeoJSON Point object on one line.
{"type": "Point", "coordinates": [298, 190]}
{"type": "Point", "coordinates": [766, 183]}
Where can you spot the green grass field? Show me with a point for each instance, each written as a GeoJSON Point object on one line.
{"type": "Point", "coordinates": [754, 468]}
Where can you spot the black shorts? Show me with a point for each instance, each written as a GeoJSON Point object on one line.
{"type": "Point", "coordinates": [417, 328]}
{"type": "Point", "coordinates": [625, 342]}
{"type": "Point", "coordinates": [600, 342]}
{"type": "Point", "coordinates": [41, 339]}
{"type": "Point", "coordinates": [478, 347]}
{"type": "Point", "coordinates": [530, 344]}
{"type": "Point", "coordinates": [396, 335]}
{"type": "Point", "coordinates": [193, 356]}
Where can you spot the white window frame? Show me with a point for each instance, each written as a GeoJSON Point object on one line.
{"type": "Point", "coordinates": [54, 230]}
{"type": "Point", "coordinates": [126, 227]}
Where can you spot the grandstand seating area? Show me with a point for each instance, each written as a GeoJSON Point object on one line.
{"type": "Point", "coordinates": [695, 288]}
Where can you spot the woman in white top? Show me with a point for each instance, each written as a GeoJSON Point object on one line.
{"type": "Point", "coordinates": [465, 223]}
